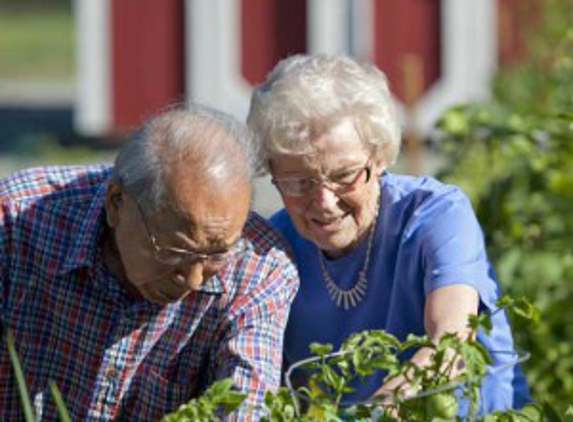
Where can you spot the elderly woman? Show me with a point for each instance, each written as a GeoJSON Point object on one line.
{"type": "Point", "coordinates": [374, 250]}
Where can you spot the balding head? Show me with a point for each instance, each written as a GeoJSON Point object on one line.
{"type": "Point", "coordinates": [197, 145]}
{"type": "Point", "coordinates": [181, 184]}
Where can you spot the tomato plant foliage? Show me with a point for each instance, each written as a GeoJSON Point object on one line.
{"type": "Point", "coordinates": [433, 392]}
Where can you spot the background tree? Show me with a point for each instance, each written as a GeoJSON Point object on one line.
{"type": "Point", "coordinates": [514, 157]}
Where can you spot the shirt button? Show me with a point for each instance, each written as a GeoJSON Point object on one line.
{"type": "Point", "coordinates": [112, 374]}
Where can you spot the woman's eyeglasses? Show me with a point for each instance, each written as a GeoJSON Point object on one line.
{"type": "Point", "coordinates": [339, 183]}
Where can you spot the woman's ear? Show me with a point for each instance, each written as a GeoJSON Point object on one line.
{"type": "Point", "coordinates": [113, 204]}
{"type": "Point", "coordinates": [378, 166]}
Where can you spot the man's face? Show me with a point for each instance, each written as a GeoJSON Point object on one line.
{"type": "Point", "coordinates": [207, 222]}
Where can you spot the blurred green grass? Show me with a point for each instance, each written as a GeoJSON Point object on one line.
{"type": "Point", "coordinates": [36, 41]}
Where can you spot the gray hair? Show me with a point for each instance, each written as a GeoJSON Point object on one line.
{"type": "Point", "coordinates": [197, 134]}
{"type": "Point", "coordinates": [305, 95]}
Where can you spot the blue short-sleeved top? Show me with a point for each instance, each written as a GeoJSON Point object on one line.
{"type": "Point", "coordinates": [427, 237]}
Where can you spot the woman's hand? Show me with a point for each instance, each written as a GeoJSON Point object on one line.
{"type": "Point", "coordinates": [447, 311]}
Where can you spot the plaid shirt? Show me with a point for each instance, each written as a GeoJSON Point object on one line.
{"type": "Point", "coordinates": [116, 358]}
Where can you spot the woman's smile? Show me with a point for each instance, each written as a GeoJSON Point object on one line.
{"type": "Point", "coordinates": [330, 224]}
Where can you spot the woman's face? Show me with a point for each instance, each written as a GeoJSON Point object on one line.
{"type": "Point", "coordinates": [335, 218]}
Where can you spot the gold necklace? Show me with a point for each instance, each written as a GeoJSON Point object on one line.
{"type": "Point", "coordinates": [352, 297]}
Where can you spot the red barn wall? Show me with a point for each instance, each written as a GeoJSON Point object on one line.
{"type": "Point", "coordinates": [147, 58]}
{"type": "Point", "coordinates": [271, 30]}
{"type": "Point", "coordinates": [407, 28]}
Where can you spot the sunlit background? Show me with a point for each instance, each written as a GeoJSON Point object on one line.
{"type": "Point", "coordinates": [77, 76]}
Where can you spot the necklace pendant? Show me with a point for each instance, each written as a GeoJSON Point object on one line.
{"type": "Point", "coordinates": [346, 299]}
{"type": "Point", "coordinates": [352, 297]}
{"type": "Point", "coordinates": [338, 299]}
{"type": "Point", "coordinates": [345, 295]}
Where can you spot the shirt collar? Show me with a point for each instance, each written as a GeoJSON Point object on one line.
{"type": "Point", "coordinates": [87, 237]}
{"type": "Point", "coordinates": [226, 281]}
{"type": "Point", "coordinates": [213, 285]}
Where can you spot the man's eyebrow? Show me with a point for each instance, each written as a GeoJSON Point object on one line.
{"type": "Point", "coordinates": [213, 244]}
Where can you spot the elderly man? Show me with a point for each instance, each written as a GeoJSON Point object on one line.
{"type": "Point", "coordinates": [135, 286]}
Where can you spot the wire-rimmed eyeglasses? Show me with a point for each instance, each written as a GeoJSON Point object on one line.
{"type": "Point", "coordinates": [176, 256]}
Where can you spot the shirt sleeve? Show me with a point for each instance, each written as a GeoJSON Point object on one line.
{"type": "Point", "coordinates": [453, 247]}
{"type": "Point", "coordinates": [252, 346]}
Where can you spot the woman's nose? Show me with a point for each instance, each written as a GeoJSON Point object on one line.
{"type": "Point", "coordinates": [323, 197]}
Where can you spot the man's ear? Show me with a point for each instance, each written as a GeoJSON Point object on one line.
{"type": "Point", "coordinates": [113, 204]}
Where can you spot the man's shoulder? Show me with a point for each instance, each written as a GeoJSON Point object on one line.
{"type": "Point", "coordinates": [62, 200]}
{"type": "Point", "coordinates": [38, 182]}
{"type": "Point", "coordinates": [261, 234]}
{"type": "Point", "coordinates": [267, 272]}
{"type": "Point", "coordinates": [267, 246]}
{"type": "Point", "coordinates": [54, 211]}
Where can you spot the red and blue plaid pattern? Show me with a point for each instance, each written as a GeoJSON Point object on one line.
{"type": "Point", "coordinates": [113, 357]}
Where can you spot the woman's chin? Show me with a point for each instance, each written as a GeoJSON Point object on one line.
{"type": "Point", "coordinates": [334, 245]}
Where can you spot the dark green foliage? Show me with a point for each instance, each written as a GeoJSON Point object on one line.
{"type": "Point", "coordinates": [514, 158]}
{"type": "Point", "coordinates": [203, 409]}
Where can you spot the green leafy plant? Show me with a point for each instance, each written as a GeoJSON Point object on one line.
{"type": "Point", "coordinates": [436, 386]}
{"type": "Point", "coordinates": [204, 409]}
{"type": "Point", "coordinates": [434, 392]}
{"type": "Point", "coordinates": [518, 171]}
{"type": "Point", "coordinates": [513, 156]}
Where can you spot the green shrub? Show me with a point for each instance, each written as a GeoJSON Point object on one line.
{"type": "Point", "coordinates": [514, 158]}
